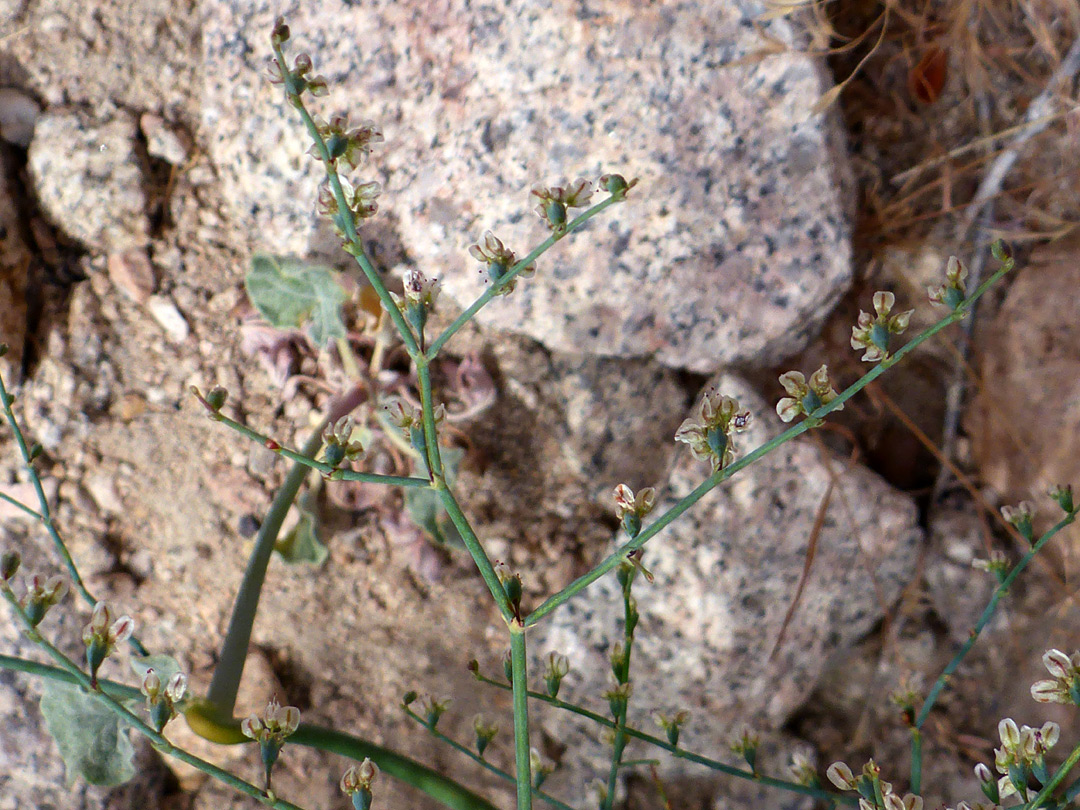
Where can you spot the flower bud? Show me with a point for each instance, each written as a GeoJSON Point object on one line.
{"type": "Point", "coordinates": [9, 564]}
{"type": "Point", "coordinates": [556, 666]}
{"type": "Point", "coordinates": [357, 782]}
{"type": "Point", "coordinates": [508, 667]}
{"type": "Point", "coordinates": [485, 733]}
{"type": "Point", "coordinates": [216, 397]}
{"type": "Point", "coordinates": [280, 33]}
{"type": "Point", "coordinates": [1063, 496]}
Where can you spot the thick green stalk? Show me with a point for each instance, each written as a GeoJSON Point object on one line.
{"type": "Point", "coordinates": [221, 697]}
{"type": "Point", "coordinates": [493, 290]}
{"type": "Point", "coordinates": [479, 760]}
{"type": "Point", "coordinates": [916, 761]}
{"type": "Point", "coordinates": [44, 515]}
{"type": "Point", "coordinates": [522, 769]}
{"type": "Point", "coordinates": [681, 753]}
{"type": "Point", "coordinates": [714, 480]}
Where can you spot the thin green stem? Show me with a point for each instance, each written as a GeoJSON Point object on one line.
{"type": "Point", "coordinates": [681, 753]}
{"type": "Point", "coordinates": [481, 761]}
{"type": "Point", "coordinates": [117, 690]}
{"type": "Point", "coordinates": [476, 550]}
{"type": "Point", "coordinates": [427, 403]}
{"type": "Point", "coordinates": [619, 743]}
{"type": "Point", "coordinates": [44, 514]}
{"type": "Point", "coordinates": [916, 761]}
{"type": "Point", "coordinates": [493, 290]}
{"type": "Point", "coordinates": [347, 221]}
{"type": "Point", "coordinates": [20, 505]}
{"type": "Point", "coordinates": [111, 698]}
{"type": "Point", "coordinates": [987, 614]}
{"type": "Point", "coordinates": [304, 458]}
{"type": "Point", "coordinates": [221, 696]}
{"type": "Point", "coordinates": [714, 480]}
{"type": "Point", "coordinates": [522, 767]}
{"type": "Point", "coordinates": [1056, 779]}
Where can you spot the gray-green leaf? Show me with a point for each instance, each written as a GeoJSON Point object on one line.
{"type": "Point", "coordinates": [303, 543]}
{"type": "Point", "coordinates": [424, 506]}
{"type": "Point", "coordinates": [291, 294]}
{"type": "Point", "coordinates": [91, 738]}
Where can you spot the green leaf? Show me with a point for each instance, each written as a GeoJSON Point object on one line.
{"type": "Point", "coordinates": [291, 294]}
{"type": "Point", "coordinates": [303, 543]}
{"type": "Point", "coordinates": [91, 738]}
{"type": "Point", "coordinates": [164, 665]}
{"type": "Point", "coordinates": [424, 506]}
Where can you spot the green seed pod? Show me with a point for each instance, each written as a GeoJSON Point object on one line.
{"type": "Point", "coordinates": [556, 213]}
{"type": "Point", "coordinates": [9, 564]}
{"type": "Point", "coordinates": [613, 183]}
{"type": "Point", "coordinates": [334, 454]}
{"type": "Point", "coordinates": [216, 397]}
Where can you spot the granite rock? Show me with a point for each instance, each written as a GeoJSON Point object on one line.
{"type": "Point", "coordinates": [726, 574]}
{"type": "Point", "coordinates": [89, 179]}
{"type": "Point", "coordinates": [733, 247]}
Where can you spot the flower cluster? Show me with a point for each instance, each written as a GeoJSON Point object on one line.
{"type": "Point", "coordinates": [556, 665]}
{"type": "Point", "coordinates": [1020, 517]}
{"type": "Point", "coordinates": [499, 260]}
{"type": "Point", "coordinates": [631, 508]}
{"type": "Point", "coordinates": [360, 200]}
{"type": "Point", "coordinates": [296, 81]}
{"type": "Point", "coordinates": [1022, 755]}
{"type": "Point", "coordinates": [432, 708]}
{"type": "Point", "coordinates": [1065, 686]}
{"type": "Point", "coordinates": [541, 768]}
{"type": "Point", "coordinates": [339, 443]}
{"type": "Point", "coordinates": [805, 398]}
{"type": "Point", "coordinates": [711, 436]}
{"type": "Point", "coordinates": [511, 583]}
{"type": "Point", "coordinates": [952, 293]}
{"type": "Point", "coordinates": [746, 746]}
{"type": "Point", "coordinates": [420, 294]}
{"type": "Point", "coordinates": [554, 201]}
{"type": "Point", "coordinates": [41, 594]}
{"type": "Point", "coordinates": [351, 146]}
{"type": "Point", "coordinates": [357, 782]}
{"type": "Point", "coordinates": [872, 332]}
{"type": "Point", "coordinates": [161, 702]}
{"type": "Point", "coordinates": [270, 731]}
{"type": "Point", "coordinates": [485, 733]}
{"type": "Point", "coordinates": [870, 786]}
{"type": "Point", "coordinates": [102, 635]}
{"type": "Point", "coordinates": [411, 422]}
{"type": "Point", "coordinates": [672, 724]}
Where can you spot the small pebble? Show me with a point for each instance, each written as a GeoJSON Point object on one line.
{"type": "Point", "coordinates": [131, 271]}
{"type": "Point", "coordinates": [169, 317]}
{"type": "Point", "coordinates": [162, 141]}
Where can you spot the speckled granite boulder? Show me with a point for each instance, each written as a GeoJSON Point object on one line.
{"type": "Point", "coordinates": [734, 246]}
{"type": "Point", "coordinates": [89, 179]}
{"type": "Point", "coordinates": [726, 574]}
